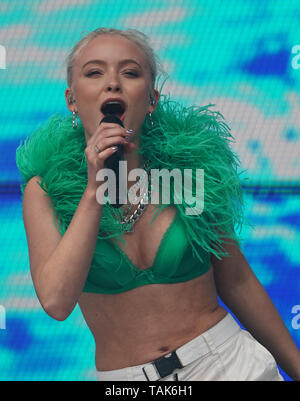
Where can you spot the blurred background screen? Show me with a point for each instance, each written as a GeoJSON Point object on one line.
{"type": "Point", "coordinates": [243, 56]}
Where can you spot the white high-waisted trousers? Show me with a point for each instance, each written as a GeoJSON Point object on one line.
{"type": "Point", "coordinates": [225, 352]}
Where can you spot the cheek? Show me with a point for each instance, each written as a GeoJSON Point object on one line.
{"type": "Point", "coordinates": [139, 89]}
{"type": "Point", "coordinates": [85, 90]}
{"type": "Point", "coordinates": [142, 98]}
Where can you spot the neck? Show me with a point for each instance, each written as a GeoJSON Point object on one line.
{"type": "Point", "coordinates": [134, 161]}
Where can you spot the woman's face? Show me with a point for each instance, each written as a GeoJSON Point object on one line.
{"type": "Point", "coordinates": [111, 67]}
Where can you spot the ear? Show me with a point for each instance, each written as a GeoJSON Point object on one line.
{"type": "Point", "coordinates": [69, 99]}
{"type": "Point", "coordinates": [153, 106]}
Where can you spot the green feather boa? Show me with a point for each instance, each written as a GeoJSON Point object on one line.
{"type": "Point", "coordinates": [181, 138]}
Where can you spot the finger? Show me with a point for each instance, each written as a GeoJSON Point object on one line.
{"type": "Point", "coordinates": [103, 130]}
{"type": "Point", "coordinates": [112, 133]}
{"type": "Point", "coordinates": [111, 141]}
{"type": "Point", "coordinates": [106, 153]}
{"type": "Point", "coordinates": [119, 131]}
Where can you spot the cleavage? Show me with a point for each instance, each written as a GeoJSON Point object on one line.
{"type": "Point", "coordinates": [142, 245]}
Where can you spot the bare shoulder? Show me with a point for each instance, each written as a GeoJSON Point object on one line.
{"type": "Point", "coordinates": [35, 199]}
{"type": "Point", "coordinates": [32, 187]}
{"type": "Point", "coordinates": [42, 234]}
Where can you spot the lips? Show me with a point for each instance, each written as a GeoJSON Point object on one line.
{"type": "Point", "coordinates": [115, 106]}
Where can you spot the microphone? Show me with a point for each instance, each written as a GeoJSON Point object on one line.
{"type": "Point", "coordinates": [112, 162]}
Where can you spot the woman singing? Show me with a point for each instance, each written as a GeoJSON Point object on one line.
{"type": "Point", "coordinates": [146, 275]}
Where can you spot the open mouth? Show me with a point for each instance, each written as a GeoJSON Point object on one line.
{"type": "Point", "coordinates": [115, 107]}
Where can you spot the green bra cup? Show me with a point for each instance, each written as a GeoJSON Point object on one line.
{"type": "Point", "coordinates": [174, 262]}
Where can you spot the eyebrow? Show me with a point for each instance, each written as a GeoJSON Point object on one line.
{"type": "Point", "coordinates": [122, 62]}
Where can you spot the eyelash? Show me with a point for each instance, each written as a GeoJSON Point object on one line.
{"type": "Point", "coordinates": [131, 73]}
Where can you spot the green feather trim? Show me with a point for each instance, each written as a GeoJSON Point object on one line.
{"type": "Point", "coordinates": [181, 138]}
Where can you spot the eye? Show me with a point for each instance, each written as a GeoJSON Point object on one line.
{"type": "Point", "coordinates": [131, 73]}
{"type": "Point", "coordinates": [89, 74]}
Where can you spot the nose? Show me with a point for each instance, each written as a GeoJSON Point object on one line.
{"type": "Point", "coordinates": [113, 85]}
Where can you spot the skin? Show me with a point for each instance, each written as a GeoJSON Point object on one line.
{"type": "Point", "coordinates": [112, 78]}
{"type": "Point", "coordinates": [146, 322]}
{"type": "Point", "coordinates": [146, 314]}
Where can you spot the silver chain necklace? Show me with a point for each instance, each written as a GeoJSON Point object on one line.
{"type": "Point", "coordinates": [141, 205]}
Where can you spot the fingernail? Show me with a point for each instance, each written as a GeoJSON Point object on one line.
{"type": "Point", "coordinates": [130, 131]}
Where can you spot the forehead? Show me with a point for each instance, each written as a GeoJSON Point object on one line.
{"type": "Point", "coordinates": [111, 49]}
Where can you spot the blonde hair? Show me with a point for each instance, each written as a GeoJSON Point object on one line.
{"type": "Point", "coordinates": [135, 36]}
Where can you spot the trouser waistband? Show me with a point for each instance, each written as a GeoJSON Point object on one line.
{"type": "Point", "coordinates": [194, 349]}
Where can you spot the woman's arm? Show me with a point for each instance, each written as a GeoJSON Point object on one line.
{"type": "Point", "coordinates": [241, 291]}
{"type": "Point", "coordinates": [59, 265]}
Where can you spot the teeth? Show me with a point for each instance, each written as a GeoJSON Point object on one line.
{"type": "Point", "coordinates": [113, 102]}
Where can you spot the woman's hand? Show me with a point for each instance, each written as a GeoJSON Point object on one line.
{"type": "Point", "coordinates": [106, 136]}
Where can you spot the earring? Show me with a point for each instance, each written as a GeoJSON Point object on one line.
{"type": "Point", "coordinates": [151, 121]}
{"type": "Point", "coordinates": [75, 120]}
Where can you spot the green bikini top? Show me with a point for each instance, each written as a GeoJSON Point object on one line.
{"type": "Point", "coordinates": [181, 138]}
{"type": "Point", "coordinates": [174, 262]}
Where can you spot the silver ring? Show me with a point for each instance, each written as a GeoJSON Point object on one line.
{"type": "Point", "coordinates": [97, 150]}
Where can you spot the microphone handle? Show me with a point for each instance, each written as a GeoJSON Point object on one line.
{"type": "Point", "coordinates": [112, 162]}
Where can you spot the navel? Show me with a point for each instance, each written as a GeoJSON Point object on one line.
{"type": "Point", "coordinates": [164, 349]}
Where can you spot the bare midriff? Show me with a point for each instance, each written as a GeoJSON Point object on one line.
{"type": "Point", "coordinates": [147, 322]}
